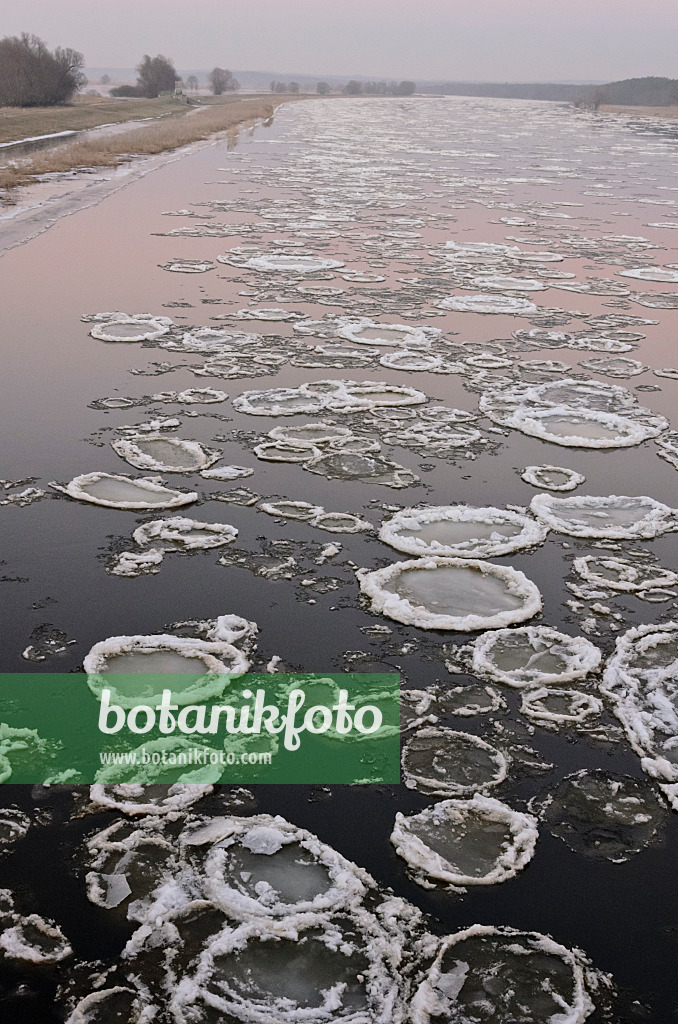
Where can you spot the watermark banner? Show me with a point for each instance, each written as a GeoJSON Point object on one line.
{"type": "Point", "coordinates": [161, 728]}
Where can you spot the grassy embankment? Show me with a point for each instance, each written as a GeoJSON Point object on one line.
{"type": "Point", "coordinates": [174, 125]}
{"type": "Point", "coordinates": [607, 108]}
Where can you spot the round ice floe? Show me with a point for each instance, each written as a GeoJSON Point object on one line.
{"type": "Point", "coordinates": [480, 841]}
{"type": "Point", "coordinates": [651, 274]}
{"type": "Point", "coordinates": [201, 396]}
{"type": "Point", "coordinates": [413, 361]}
{"type": "Point", "coordinates": [505, 304]}
{"type": "Point", "coordinates": [309, 434]}
{"type": "Point", "coordinates": [626, 577]}
{"type": "Point", "coordinates": [130, 329]}
{"type": "Point", "coordinates": [341, 522]}
{"type": "Point", "coordinates": [584, 414]}
{"type": "Point", "coordinates": [278, 402]}
{"type": "Point", "coordinates": [188, 266]}
{"type": "Point", "coordinates": [485, 974]}
{"type": "Point", "coordinates": [312, 968]}
{"type": "Point", "coordinates": [604, 816]}
{"type": "Point", "coordinates": [614, 517]}
{"type": "Point", "coordinates": [614, 366]}
{"type": "Point", "coordinates": [533, 656]}
{"type": "Point", "coordinates": [547, 706]}
{"type": "Point", "coordinates": [124, 492]}
{"type": "Point", "coordinates": [443, 762]}
{"type": "Point", "coordinates": [135, 799]}
{"type": "Point", "coordinates": [14, 825]}
{"type": "Point", "coordinates": [451, 593]}
{"type": "Point", "coordinates": [641, 678]}
{"type": "Point", "coordinates": [365, 468]}
{"type": "Point", "coordinates": [137, 563]}
{"type": "Point", "coordinates": [181, 534]}
{"type": "Point", "coordinates": [294, 264]}
{"type": "Point", "coordinates": [579, 428]}
{"type": "Point", "coordinates": [497, 283]}
{"type": "Point", "coordinates": [552, 478]}
{"type": "Point", "coordinates": [112, 1004]}
{"type": "Point", "coordinates": [274, 314]}
{"type": "Point", "coordinates": [136, 669]}
{"type": "Point", "coordinates": [227, 473]}
{"type": "Point", "coordinates": [291, 509]}
{"type": "Point", "coordinates": [369, 332]}
{"type": "Point", "coordinates": [165, 454]}
{"type": "Point", "coordinates": [265, 867]}
{"type": "Point", "coordinates": [461, 531]}
{"type": "Point", "coordinates": [278, 451]}
{"type": "Point", "coordinates": [35, 940]}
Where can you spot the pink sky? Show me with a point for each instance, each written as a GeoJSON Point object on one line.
{"type": "Point", "coordinates": [512, 40]}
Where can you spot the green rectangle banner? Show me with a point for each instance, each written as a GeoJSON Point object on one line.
{"type": "Point", "coordinates": [166, 728]}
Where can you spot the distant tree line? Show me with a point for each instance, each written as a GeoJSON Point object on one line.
{"type": "Point", "coordinates": [632, 92]}
{"type": "Point", "coordinates": [33, 76]}
{"type": "Point", "coordinates": [287, 87]}
{"type": "Point", "coordinates": [354, 88]}
{"type": "Point", "coordinates": [221, 81]}
{"type": "Point", "coordinates": [154, 75]}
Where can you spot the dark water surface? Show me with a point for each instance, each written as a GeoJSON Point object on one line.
{"type": "Point", "coordinates": [457, 167]}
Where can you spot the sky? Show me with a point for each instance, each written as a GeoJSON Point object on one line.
{"type": "Point", "coordinates": [456, 40]}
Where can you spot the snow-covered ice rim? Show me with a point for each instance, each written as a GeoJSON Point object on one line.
{"type": "Point", "coordinates": [586, 657]}
{"type": "Point", "coordinates": [425, 861]}
{"type": "Point", "coordinates": [532, 532]}
{"type": "Point", "coordinates": [76, 489]}
{"type": "Point", "coordinates": [373, 585]}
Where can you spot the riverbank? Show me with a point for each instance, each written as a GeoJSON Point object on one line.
{"type": "Point", "coordinates": [161, 134]}
{"type": "Point", "coordinates": [666, 112]}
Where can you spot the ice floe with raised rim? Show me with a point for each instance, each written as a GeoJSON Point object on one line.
{"type": "Point", "coordinates": [615, 517]}
{"type": "Point", "coordinates": [14, 825]}
{"type": "Point", "coordinates": [618, 574]}
{"type": "Point", "coordinates": [641, 680]}
{"type": "Point", "coordinates": [603, 815]}
{"type": "Point", "coordinates": [132, 328]}
{"type": "Point", "coordinates": [492, 303]}
{"type": "Point", "coordinates": [444, 762]}
{"type": "Point", "coordinates": [488, 973]}
{"type": "Point", "coordinates": [533, 656]}
{"type": "Point", "coordinates": [290, 263]}
{"type": "Point", "coordinates": [664, 274]}
{"type": "Point", "coordinates": [365, 331]}
{"type": "Point", "coordinates": [182, 534]}
{"type": "Point", "coordinates": [584, 414]}
{"type": "Point", "coordinates": [552, 478]}
{"type": "Point", "coordinates": [123, 492]}
{"type": "Point", "coordinates": [133, 667]}
{"type": "Point", "coordinates": [461, 531]}
{"type": "Point", "coordinates": [548, 706]}
{"type": "Point", "coordinates": [165, 454]}
{"type": "Point", "coordinates": [31, 939]}
{"type": "Point", "coordinates": [479, 841]}
{"type": "Point", "coordinates": [457, 594]}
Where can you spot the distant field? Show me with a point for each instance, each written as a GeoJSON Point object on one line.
{"type": "Point", "coordinates": [85, 112]}
{"type": "Point", "coordinates": [640, 111]}
{"type": "Point", "coordinates": [218, 114]}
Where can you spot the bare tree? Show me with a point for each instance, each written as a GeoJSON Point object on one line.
{"type": "Point", "coordinates": [104, 80]}
{"type": "Point", "coordinates": [192, 83]}
{"type": "Point", "coordinates": [323, 89]}
{"type": "Point", "coordinates": [353, 88]}
{"type": "Point", "coordinates": [222, 81]}
{"type": "Point", "coordinates": [294, 87]}
{"type": "Point", "coordinates": [156, 75]}
{"type": "Point", "coordinates": [33, 76]}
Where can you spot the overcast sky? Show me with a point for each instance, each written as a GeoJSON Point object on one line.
{"type": "Point", "coordinates": [496, 40]}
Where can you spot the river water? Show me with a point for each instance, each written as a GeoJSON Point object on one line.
{"type": "Point", "coordinates": [380, 187]}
